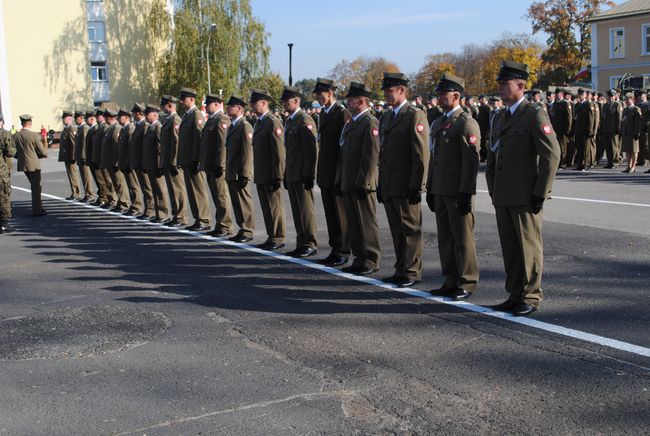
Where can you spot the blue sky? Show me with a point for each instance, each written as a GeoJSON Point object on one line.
{"type": "Point", "coordinates": [404, 31]}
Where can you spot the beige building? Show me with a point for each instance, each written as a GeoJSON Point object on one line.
{"type": "Point", "coordinates": [620, 43]}
{"type": "Point", "coordinates": [74, 54]}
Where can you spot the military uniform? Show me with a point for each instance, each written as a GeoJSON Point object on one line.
{"type": "Point", "coordinates": [212, 162]}
{"type": "Point", "coordinates": [7, 151]}
{"type": "Point", "coordinates": [644, 146]}
{"type": "Point", "coordinates": [189, 144]}
{"type": "Point", "coordinates": [356, 180]}
{"type": "Point", "coordinates": [433, 113]}
{"type": "Point", "coordinates": [109, 163]}
{"type": "Point", "coordinates": [610, 129]}
{"type": "Point", "coordinates": [66, 155]}
{"type": "Point", "coordinates": [332, 119]}
{"type": "Point", "coordinates": [451, 185]}
{"type": "Point", "coordinates": [124, 145]}
{"type": "Point", "coordinates": [631, 130]}
{"type": "Point", "coordinates": [82, 160]}
{"type": "Point", "coordinates": [521, 167]}
{"type": "Point", "coordinates": [483, 120]}
{"type": "Point", "coordinates": [135, 156]}
{"type": "Point", "coordinates": [153, 167]}
{"type": "Point", "coordinates": [562, 119]}
{"type": "Point", "coordinates": [403, 161]}
{"type": "Point", "coordinates": [173, 172]}
{"type": "Point", "coordinates": [585, 132]}
{"type": "Point", "coordinates": [105, 192]}
{"type": "Point", "coordinates": [239, 172]}
{"type": "Point", "coordinates": [300, 173]}
{"type": "Point", "coordinates": [269, 160]}
{"type": "Point", "coordinates": [29, 149]}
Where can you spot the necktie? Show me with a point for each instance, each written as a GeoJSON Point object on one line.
{"type": "Point", "coordinates": [508, 114]}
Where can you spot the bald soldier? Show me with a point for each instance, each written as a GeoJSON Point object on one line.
{"type": "Point", "coordinates": [30, 147]}
{"type": "Point", "coordinates": [451, 185]}
{"type": "Point", "coordinates": [169, 161]}
{"type": "Point", "coordinates": [66, 155]}
{"type": "Point", "coordinates": [81, 157]}
{"type": "Point", "coordinates": [212, 162]}
{"type": "Point", "coordinates": [300, 171]}
{"type": "Point", "coordinates": [239, 168]}
{"type": "Point", "coordinates": [403, 161]}
{"type": "Point", "coordinates": [268, 168]}
{"type": "Point", "coordinates": [333, 117]}
{"type": "Point", "coordinates": [124, 162]}
{"type": "Point", "coordinates": [153, 167]}
{"type": "Point", "coordinates": [135, 157]}
{"type": "Point", "coordinates": [189, 146]}
{"type": "Point", "coordinates": [356, 180]}
{"type": "Point", "coordinates": [524, 157]}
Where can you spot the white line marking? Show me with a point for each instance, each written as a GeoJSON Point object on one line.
{"type": "Point", "coordinates": [589, 200]}
{"type": "Point", "coordinates": [541, 325]}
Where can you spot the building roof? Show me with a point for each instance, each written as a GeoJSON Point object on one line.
{"type": "Point", "coordinates": [628, 9]}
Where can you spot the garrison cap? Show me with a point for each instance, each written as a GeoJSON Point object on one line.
{"type": "Point", "coordinates": [150, 107]}
{"type": "Point", "coordinates": [137, 107]}
{"type": "Point", "coordinates": [612, 92]}
{"type": "Point", "coordinates": [211, 98]}
{"type": "Point", "coordinates": [513, 70]}
{"type": "Point", "coordinates": [450, 83]}
{"type": "Point", "coordinates": [99, 111]}
{"type": "Point", "coordinates": [290, 92]}
{"type": "Point", "coordinates": [78, 114]}
{"type": "Point", "coordinates": [559, 90]}
{"type": "Point", "coordinates": [260, 94]}
{"type": "Point", "coordinates": [394, 79]}
{"type": "Point", "coordinates": [581, 91]}
{"type": "Point", "coordinates": [168, 99]}
{"type": "Point", "coordinates": [494, 99]}
{"type": "Point", "coordinates": [90, 113]}
{"type": "Point", "coordinates": [110, 112]}
{"type": "Point", "coordinates": [124, 112]}
{"type": "Point", "coordinates": [358, 89]}
{"type": "Point", "coordinates": [25, 117]}
{"type": "Point", "coordinates": [324, 85]}
{"type": "Point", "coordinates": [66, 114]}
{"type": "Point", "coordinates": [187, 92]}
{"type": "Point", "coordinates": [236, 100]}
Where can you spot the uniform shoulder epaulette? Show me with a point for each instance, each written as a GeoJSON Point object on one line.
{"type": "Point", "coordinates": [412, 107]}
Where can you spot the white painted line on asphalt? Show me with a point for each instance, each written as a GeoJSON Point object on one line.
{"type": "Point", "coordinates": [540, 325]}
{"type": "Point", "coordinates": [588, 200]}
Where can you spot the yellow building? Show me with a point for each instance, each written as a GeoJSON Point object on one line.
{"type": "Point", "coordinates": [74, 54]}
{"type": "Point", "coordinates": [620, 43]}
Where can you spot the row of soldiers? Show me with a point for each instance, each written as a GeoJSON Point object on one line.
{"type": "Point", "coordinates": [146, 168]}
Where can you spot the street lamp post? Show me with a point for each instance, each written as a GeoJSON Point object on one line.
{"type": "Point", "coordinates": [213, 27]}
{"type": "Point", "coordinates": [290, 76]}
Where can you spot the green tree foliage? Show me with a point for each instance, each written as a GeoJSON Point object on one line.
{"type": "Point", "coordinates": [239, 51]}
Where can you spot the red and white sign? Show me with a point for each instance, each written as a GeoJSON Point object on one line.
{"type": "Point", "coordinates": [250, 136]}
{"type": "Point", "coordinates": [278, 131]}
{"type": "Point", "coordinates": [419, 127]}
{"type": "Point", "coordinates": [309, 127]}
{"type": "Point", "coordinates": [224, 126]}
{"type": "Point", "coordinates": [200, 122]}
{"type": "Point", "coordinates": [546, 129]}
{"type": "Point", "coordinates": [471, 139]}
{"type": "Point", "coordinates": [375, 132]}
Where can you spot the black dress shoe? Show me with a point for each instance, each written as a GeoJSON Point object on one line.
{"type": "Point", "coordinates": [85, 200]}
{"type": "Point", "coordinates": [291, 253]}
{"type": "Point", "coordinates": [338, 261]}
{"type": "Point", "coordinates": [241, 239]}
{"type": "Point", "coordinates": [523, 309]}
{"type": "Point", "coordinates": [327, 260]}
{"type": "Point", "coordinates": [175, 223]}
{"type": "Point", "coordinates": [219, 233]}
{"type": "Point", "coordinates": [303, 252]}
{"type": "Point", "coordinates": [131, 213]}
{"type": "Point", "coordinates": [72, 197]}
{"type": "Point", "coordinates": [194, 226]}
{"type": "Point", "coordinates": [107, 206]}
{"type": "Point", "coordinates": [390, 279]}
{"type": "Point", "coordinates": [646, 172]}
{"type": "Point", "coordinates": [459, 294]}
{"type": "Point", "coordinates": [272, 246]}
{"type": "Point", "coordinates": [442, 291]}
{"type": "Point", "coordinates": [506, 306]}
{"type": "Point", "coordinates": [166, 221]}
{"type": "Point", "coordinates": [365, 271]}
{"type": "Point", "coordinates": [5, 227]}
{"type": "Point", "coordinates": [404, 282]}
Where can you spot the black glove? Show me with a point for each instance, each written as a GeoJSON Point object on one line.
{"type": "Point", "coordinates": [173, 171]}
{"type": "Point", "coordinates": [71, 162]}
{"type": "Point", "coordinates": [637, 137]}
{"type": "Point", "coordinates": [195, 168]}
{"type": "Point", "coordinates": [82, 161]}
{"type": "Point", "coordinates": [275, 185]}
{"type": "Point", "coordinates": [431, 202]}
{"type": "Point", "coordinates": [414, 196]}
{"type": "Point", "coordinates": [536, 204]}
{"type": "Point", "coordinates": [464, 205]}
{"type": "Point", "coordinates": [379, 198]}
{"type": "Point", "coordinates": [361, 192]}
{"type": "Point", "coordinates": [308, 183]}
{"type": "Point", "coordinates": [337, 190]}
{"type": "Point", "coordinates": [285, 184]}
{"type": "Point", "coordinates": [158, 172]}
{"type": "Point", "coordinates": [218, 172]}
{"type": "Point", "coordinates": [242, 182]}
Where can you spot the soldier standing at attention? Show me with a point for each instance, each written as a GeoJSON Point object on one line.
{"type": "Point", "coordinates": [30, 147]}
{"type": "Point", "coordinates": [644, 148]}
{"type": "Point", "coordinates": [169, 162]}
{"type": "Point", "coordinates": [483, 120]}
{"type": "Point", "coordinates": [81, 157]}
{"type": "Point", "coordinates": [610, 129]}
{"type": "Point", "coordinates": [153, 167]}
{"type": "Point", "coordinates": [521, 167]}
{"type": "Point", "coordinates": [630, 132]}
{"type": "Point", "coordinates": [268, 168]}
{"type": "Point", "coordinates": [239, 168]}
{"type": "Point", "coordinates": [7, 151]}
{"type": "Point", "coordinates": [109, 161]}
{"type": "Point", "coordinates": [66, 155]}
{"type": "Point", "coordinates": [212, 158]}
{"type": "Point", "coordinates": [434, 111]}
{"type": "Point", "coordinates": [124, 162]}
{"type": "Point", "coordinates": [561, 119]}
{"type": "Point", "coordinates": [332, 118]}
{"type": "Point", "coordinates": [403, 160]}
{"type": "Point", "coordinates": [451, 184]}
{"type": "Point", "coordinates": [300, 171]}
{"type": "Point", "coordinates": [135, 157]}
{"type": "Point", "coordinates": [356, 180]}
{"type": "Point", "coordinates": [189, 146]}
{"type": "Point", "coordinates": [104, 185]}
{"type": "Point", "coordinates": [584, 129]}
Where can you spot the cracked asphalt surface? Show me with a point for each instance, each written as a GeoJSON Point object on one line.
{"type": "Point", "coordinates": [158, 332]}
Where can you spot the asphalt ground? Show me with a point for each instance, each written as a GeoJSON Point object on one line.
{"type": "Point", "coordinates": [112, 326]}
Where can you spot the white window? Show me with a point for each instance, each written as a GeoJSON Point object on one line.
{"type": "Point", "coordinates": [96, 31]}
{"type": "Point", "coordinates": [98, 71]}
{"type": "Point", "coordinates": [617, 43]}
{"type": "Point", "coordinates": [613, 81]}
{"type": "Point", "coordinates": [645, 39]}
